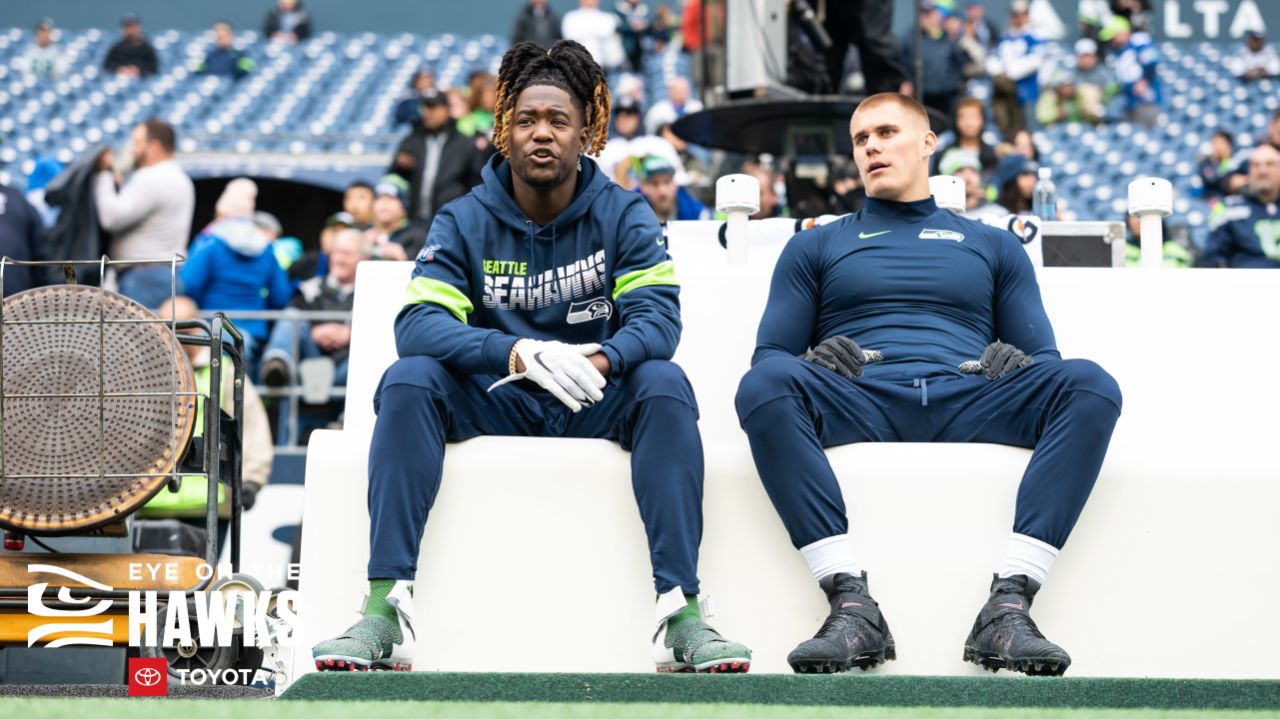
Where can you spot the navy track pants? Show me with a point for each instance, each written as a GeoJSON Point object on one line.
{"type": "Point", "coordinates": [421, 405]}
{"type": "Point", "coordinates": [1064, 409]}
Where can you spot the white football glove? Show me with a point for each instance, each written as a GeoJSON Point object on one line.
{"type": "Point", "coordinates": [561, 369]}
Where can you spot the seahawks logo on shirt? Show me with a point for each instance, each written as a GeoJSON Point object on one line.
{"type": "Point", "coordinates": [428, 253]}
{"type": "Point", "coordinates": [928, 234]}
{"type": "Point", "coordinates": [588, 310]}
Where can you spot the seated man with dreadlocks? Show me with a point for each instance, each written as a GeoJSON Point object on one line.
{"type": "Point", "coordinates": [550, 274]}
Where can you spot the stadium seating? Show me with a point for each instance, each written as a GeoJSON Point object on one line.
{"type": "Point", "coordinates": [335, 94]}
{"type": "Point", "coordinates": [555, 576]}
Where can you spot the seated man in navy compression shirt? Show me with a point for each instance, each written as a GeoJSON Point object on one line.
{"type": "Point", "coordinates": [964, 353]}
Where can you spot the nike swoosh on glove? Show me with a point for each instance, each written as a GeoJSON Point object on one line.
{"type": "Point", "coordinates": [838, 354]}
{"type": "Point", "coordinates": [561, 369]}
{"type": "Point", "coordinates": [1000, 359]}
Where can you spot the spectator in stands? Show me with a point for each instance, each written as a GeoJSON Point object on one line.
{"type": "Point", "coordinates": [315, 263]}
{"type": "Point", "coordinates": [1015, 66]}
{"type": "Point", "coordinates": [480, 101]}
{"type": "Point", "coordinates": [257, 452]}
{"type": "Point", "coordinates": [1245, 228]}
{"type": "Point", "coordinates": [132, 55]}
{"type": "Point", "coordinates": [438, 162]}
{"type": "Point", "coordinates": [674, 106]}
{"type": "Point", "coordinates": [627, 141]}
{"type": "Point", "coordinates": [45, 170]}
{"type": "Point", "coordinates": [770, 204]}
{"type": "Point", "coordinates": [393, 235]}
{"type": "Point", "coordinates": [966, 166]}
{"type": "Point", "coordinates": [472, 324]}
{"type": "Point", "coordinates": [867, 24]}
{"type": "Point", "coordinates": [665, 25]}
{"type": "Point", "coordinates": [1015, 179]}
{"type": "Point", "coordinates": [409, 109]}
{"type": "Point", "coordinates": [456, 99]}
{"type": "Point", "coordinates": [237, 200]}
{"type": "Point", "coordinates": [1021, 143]}
{"type": "Point", "coordinates": [1135, 12]}
{"type": "Point", "coordinates": [333, 291]}
{"type": "Point", "coordinates": [1136, 63]}
{"type": "Point", "coordinates": [629, 85]}
{"type": "Point", "coordinates": [1177, 251]}
{"type": "Point", "coordinates": [1094, 82]}
{"type": "Point", "coordinates": [634, 23]}
{"type": "Point", "coordinates": [1062, 103]}
{"type": "Point", "coordinates": [21, 238]}
{"type": "Point", "coordinates": [287, 22]}
{"type": "Point", "coordinates": [269, 225]}
{"type": "Point", "coordinates": [357, 201]}
{"type": "Point", "coordinates": [44, 58]}
{"type": "Point", "coordinates": [695, 159]}
{"type": "Point", "coordinates": [224, 59]}
{"type": "Point", "coordinates": [150, 216]}
{"type": "Point", "coordinates": [970, 124]}
{"type": "Point", "coordinates": [942, 58]}
{"type": "Point", "coordinates": [668, 200]}
{"type": "Point", "coordinates": [537, 23]}
{"type": "Point", "coordinates": [1256, 58]}
{"type": "Point", "coordinates": [1219, 171]}
{"type": "Point", "coordinates": [1273, 132]}
{"type": "Point", "coordinates": [237, 270]}
{"type": "Point", "coordinates": [975, 53]}
{"type": "Point", "coordinates": [597, 31]}
{"type": "Point", "coordinates": [978, 26]}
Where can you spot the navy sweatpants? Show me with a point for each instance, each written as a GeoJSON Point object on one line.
{"type": "Point", "coordinates": [421, 405]}
{"type": "Point", "coordinates": [1064, 409]}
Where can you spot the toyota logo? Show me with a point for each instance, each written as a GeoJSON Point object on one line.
{"type": "Point", "coordinates": [147, 677]}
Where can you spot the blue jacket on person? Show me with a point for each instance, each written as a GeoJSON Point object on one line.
{"type": "Point", "coordinates": [1020, 55]}
{"type": "Point", "coordinates": [1244, 232]}
{"type": "Point", "coordinates": [1139, 60]}
{"type": "Point", "coordinates": [227, 62]}
{"type": "Point", "coordinates": [235, 269]}
{"type": "Point", "coordinates": [488, 276]}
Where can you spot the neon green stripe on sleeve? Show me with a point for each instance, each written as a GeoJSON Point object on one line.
{"type": "Point", "coordinates": [664, 273]}
{"type": "Point", "coordinates": [426, 290]}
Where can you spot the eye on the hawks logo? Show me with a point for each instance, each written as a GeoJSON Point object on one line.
{"type": "Point", "coordinates": [428, 253]}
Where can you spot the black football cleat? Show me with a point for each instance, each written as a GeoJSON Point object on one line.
{"type": "Point", "coordinates": [855, 634]}
{"type": "Point", "coordinates": [1005, 636]}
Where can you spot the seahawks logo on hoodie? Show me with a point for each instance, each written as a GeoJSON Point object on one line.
{"type": "Point", "coordinates": [588, 310]}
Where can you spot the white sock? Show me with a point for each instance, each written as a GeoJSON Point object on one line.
{"type": "Point", "coordinates": [1028, 556]}
{"type": "Point", "coordinates": [829, 556]}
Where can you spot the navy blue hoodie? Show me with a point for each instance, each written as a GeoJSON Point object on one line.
{"type": "Point", "coordinates": [488, 276]}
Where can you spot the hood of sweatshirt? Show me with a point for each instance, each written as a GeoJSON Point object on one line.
{"type": "Point", "coordinates": [241, 235]}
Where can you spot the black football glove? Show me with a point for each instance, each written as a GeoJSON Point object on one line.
{"type": "Point", "coordinates": [838, 354]}
{"type": "Point", "coordinates": [1000, 359]}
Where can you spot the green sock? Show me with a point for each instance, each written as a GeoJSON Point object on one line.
{"type": "Point", "coordinates": [378, 605]}
{"type": "Point", "coordinates": [691, 611]}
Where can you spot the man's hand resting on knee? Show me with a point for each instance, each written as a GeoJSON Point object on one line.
{"type": "Point", "coordinates": [561, 369]}
{"type": "Point", "coordinates": [840, 355]}
{"type": "Point", "coordinates": [1000, 359]}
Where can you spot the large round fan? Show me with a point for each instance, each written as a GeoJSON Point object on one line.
{"type": "Point", "coordinates": [93, 407]}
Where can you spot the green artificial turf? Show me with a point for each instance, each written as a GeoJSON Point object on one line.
{"type": "Point", "coordinates": [780, 690]}
{"type": "Point", "coordinates": [145, 708]}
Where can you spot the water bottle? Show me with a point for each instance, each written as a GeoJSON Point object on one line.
{"type": "Point", "coordinates": [1044, 198]}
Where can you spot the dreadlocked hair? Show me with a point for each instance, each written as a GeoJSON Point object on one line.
{"type": "Point", "coordinates": [568, 66]}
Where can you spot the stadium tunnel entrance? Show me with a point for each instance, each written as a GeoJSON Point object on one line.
{"type": "Point", "coordinates": [300, 202]}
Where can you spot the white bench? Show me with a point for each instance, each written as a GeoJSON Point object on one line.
{"type": "Point", "coordinates": [534, 558]}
